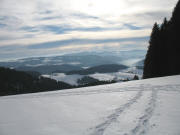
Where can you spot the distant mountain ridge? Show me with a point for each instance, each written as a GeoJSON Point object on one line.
{"type": "Point", "coordinates": [74, 62]}
{"type": "Point", "coordinates": [110, 68]}
{"type": "Point", "coordinates": [85, 59]}
{"type": "Point", "coordinates": [47, 69]}
{"type": "Point", "coordinates": [78, 60]}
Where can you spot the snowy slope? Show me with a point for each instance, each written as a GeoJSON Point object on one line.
{"type": "Point", "coordinates": [145, 107]}
{"type": "Point", "coordinates": [70, 79]}
{"type": "Point", "coordinates": [121, 75]}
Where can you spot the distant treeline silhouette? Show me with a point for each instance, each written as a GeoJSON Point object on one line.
{"type": "Point", "coordinates": [163, 55]}
{"type": "Point", "coordinates": [17, 82]}
{"type": "Point", "coordinates": [14, 82]}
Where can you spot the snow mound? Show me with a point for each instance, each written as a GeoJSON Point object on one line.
{"type": "Point", "coordinates": [145, 107]}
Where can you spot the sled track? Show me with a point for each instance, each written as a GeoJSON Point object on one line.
{"type": "Point", "coordinates": [99, 129]}
{"type": "Point", "coordinates": [143, 124]}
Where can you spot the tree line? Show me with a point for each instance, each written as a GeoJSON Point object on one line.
{"type": "Point", "coordinates": [163, 55]}
{"type": "Point", "coordinates": [14, 82]}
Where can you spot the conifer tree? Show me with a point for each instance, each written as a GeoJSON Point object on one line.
{"type": "Point", "coordinates": [150, 62]}
{"type": "Point", "coordinates": [163, 55]}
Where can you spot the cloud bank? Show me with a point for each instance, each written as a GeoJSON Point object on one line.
{"type": "Point", "coordinates": [54, 27]}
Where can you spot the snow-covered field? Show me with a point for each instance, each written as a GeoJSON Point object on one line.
{"type": "Point", "coordinates": [113, 76]}
{"type": "Point", "coordinates": [145, 107]}
{"type": "Point", "coordinates": [121, 75]}
{"type": "Point", "coordinates": [70, 79]}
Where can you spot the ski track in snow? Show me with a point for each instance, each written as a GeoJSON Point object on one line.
{"type": "Point", "coordinates": [143, 124]}
{"type": "Point", "coordinates": [140, 128]}
{"type": "Point", "coordinates": [99, 129]}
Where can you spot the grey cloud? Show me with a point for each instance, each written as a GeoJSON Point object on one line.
{"type": "Point", "coordinates": [30, 28]}
{"type": "Point", "coordinates": [77, 41]}
{"type": "Point", "coordinates": [2, 25]}
{"type": "Point", "coordinates": [45, 12]}
{"type": "Point", "coordinates": [84, 16]}
{"type": "Point", "coordinates": [154, 15]}
{"type": "Point", "coordinates": [61, 29]}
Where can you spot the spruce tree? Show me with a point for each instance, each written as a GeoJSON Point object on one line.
{"type": "Point", "coordinates": [174, 45]}
{"type": "Point", "coordinates": [163, 55]}
{"type": "Point", "coordinates": [150, 60]}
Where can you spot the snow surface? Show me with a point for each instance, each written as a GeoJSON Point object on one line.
{"type": "Point", "coordinates": [70, 79]}
{"type": "Point", "coordinates": [112, 76]}
{"type": "Point", "coordinates": [122, 75]}
{"type": "Point", "coordinates": [145, 107]}
{"type": "Point", "coordinates": [133, 70]}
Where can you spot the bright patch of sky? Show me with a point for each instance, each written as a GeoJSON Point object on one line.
{"type": "Point", "coordinates": [55, 27]}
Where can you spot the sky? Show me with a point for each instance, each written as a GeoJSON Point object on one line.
{"type": "Point", "coordinates": [31, 28]}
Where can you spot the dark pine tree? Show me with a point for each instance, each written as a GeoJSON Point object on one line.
{"type": "Point", "coordinates": [174, 44]}
{"type": "Point", "coordinates": [17, 82]}
{"type": "Point", "coordinates": [163, 55]}
{"type": "Point", "coordinates": [150, 60]}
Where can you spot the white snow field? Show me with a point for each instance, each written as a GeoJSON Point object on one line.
{"type": "Point", "coordinates": [144, 107]}
{"type": "Point", "coordinates": [70, 79]}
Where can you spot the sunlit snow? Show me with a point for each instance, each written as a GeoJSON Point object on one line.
{"type": "Point", "coordinates": [145, 107]}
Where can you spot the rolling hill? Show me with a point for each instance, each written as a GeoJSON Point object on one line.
{"type": "Point", "coordinates": [145, 107]}
{"type": "Point", "coordinates": [110, 68]}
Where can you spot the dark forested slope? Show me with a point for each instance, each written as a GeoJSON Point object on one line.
{"type": "Point", "coordinates": [18, 82]}
{"type": "Point", "coordinates": [163, 55]}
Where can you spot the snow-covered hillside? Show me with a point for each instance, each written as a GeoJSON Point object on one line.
{"type": "Point", "coordinates": [128, 73]}
{"type": "Point", "coordinates": [145, 107]}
